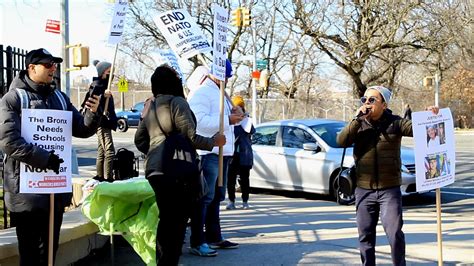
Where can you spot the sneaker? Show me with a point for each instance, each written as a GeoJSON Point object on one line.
{"type": "Point", "coordinates": [204, 251]}
{"type": "Point", "coordinates": [230, 206]}
{"type": "Point", "coordinates": [224, 244]}
{"type": "Point", "coordinates": [245, 206]}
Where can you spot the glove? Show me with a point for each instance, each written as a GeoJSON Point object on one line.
{"type": "Point", "coordinates": [53, 162]}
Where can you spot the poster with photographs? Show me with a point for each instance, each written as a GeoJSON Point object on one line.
{"type": "Point", "coordinates": [434, 149]}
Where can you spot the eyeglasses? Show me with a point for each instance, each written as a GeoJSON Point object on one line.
{"type": "Point", "coordinates": [48, 65]}
{"type": "Point", "coordinates": [371, 99]}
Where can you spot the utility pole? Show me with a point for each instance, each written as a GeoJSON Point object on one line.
{"type": "Point", "coordinates": [254, 69]}
{"type": "Point", "coordinates": [64, 50]}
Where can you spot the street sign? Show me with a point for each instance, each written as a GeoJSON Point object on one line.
{"type": "Point", "coordinates": [262, 64]}
{"type": "Point", "coordinates": [122, 85]}
{"type": "Point", "coordinates": [53, 26]}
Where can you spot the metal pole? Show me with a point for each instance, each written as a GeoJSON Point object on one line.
{"type": "Point", "coordinates": [64, 43]}
{"type": "Point", "coordinates": [437, 89]}
{"type": "Point", "coordinates": [254, 68]}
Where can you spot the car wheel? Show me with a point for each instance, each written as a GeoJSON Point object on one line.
{"type": "Point", "coordinates": [122, 125]}
{"type": "Point", "coordinates": [340, 197]}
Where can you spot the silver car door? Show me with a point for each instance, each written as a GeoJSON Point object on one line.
{"type": "Point", "coordinates": [266, 155]}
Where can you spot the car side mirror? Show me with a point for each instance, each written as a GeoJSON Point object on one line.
{"type": "Point", "coordinates": [311, 147]}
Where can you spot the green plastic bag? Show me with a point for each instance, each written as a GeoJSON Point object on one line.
{"type": "Point", "coordinates": [128, 207]}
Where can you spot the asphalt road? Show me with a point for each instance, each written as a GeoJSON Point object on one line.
{"type": "Point", "coordinates": [457, 201]}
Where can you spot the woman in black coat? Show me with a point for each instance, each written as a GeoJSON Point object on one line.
{"type": "Point", "coordinates": [173, 200]}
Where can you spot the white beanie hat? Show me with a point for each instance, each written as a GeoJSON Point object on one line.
{"type": "Point", "coordinates": [385, 92]}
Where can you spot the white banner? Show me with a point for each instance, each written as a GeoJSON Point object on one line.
{"type": "Point", "coordinates": [50, 130]}
{"type": "Point", "coordinates": [118, 21]}
{"type": "Point", "coordinates": [182, 33]}
{"type": "Point", "coordinates": [219, 45]}
{"type": "Point", "coordinates": [434, 149]}
{"type": "Point", "coordinates": [167, 56]}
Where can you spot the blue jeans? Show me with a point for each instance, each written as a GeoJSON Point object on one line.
{"type": "Point", "coordinates": [206, 211]}
{"type": "Point", "coordinates": [388, 204]}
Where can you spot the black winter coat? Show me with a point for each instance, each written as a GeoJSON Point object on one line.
{"type": "Point", "coordinates": [17, 150]}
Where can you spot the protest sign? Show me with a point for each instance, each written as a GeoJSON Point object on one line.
{"type": "Point", "coordinates": [167, 56]}
{"type": "Point", "coordinates": [118, 21]}
{"type": "Point", "coordinates": [219, 45]}
{"type": "Point", "coordinates": [50, 130]}
{"type": "Point", "coordinates": [182, 33]}
{"type": "Point", "coordinates": [434, 149]}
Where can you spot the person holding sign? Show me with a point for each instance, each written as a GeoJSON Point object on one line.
{"type": "Point", "coordinates": [173, 198]}
{"type": "Point", "coordinates": [376, 134]}
{"type": "Point", "coordinates": [34, 88]}
{"type": "Point", "coordinates": [205, 102]}
{"type": "Point", "coordinates": [107, 122]}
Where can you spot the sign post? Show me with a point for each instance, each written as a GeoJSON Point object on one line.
{"type": "Point", "coordinates": [219, 46]}
{"type": "Point", "coordinates": [50, 130]}
{"type": "Point", "coordinates": [115, 37]}
{"type": "Point", "coordinates": [434, 157]}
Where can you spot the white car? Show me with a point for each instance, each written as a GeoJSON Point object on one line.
{"type": "Point", "coordinates": [302, 155]}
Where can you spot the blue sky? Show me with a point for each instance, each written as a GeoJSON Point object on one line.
{"type": "Point", "coordinates": [22, 25]}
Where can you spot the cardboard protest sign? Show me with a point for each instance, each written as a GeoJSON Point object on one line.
{"type": "Point", "coordinates": [219, 45]}
{"type": "Point", "coordinates": [434, 149]}
{"type": "Point", "coordinates": [182, 33]}
{"type": "Point", "coordinates": [167, 56]}
{"type": "Point", "coordinates": [118, 21]}
{"type": "Point", "coordinates": [50, 130]}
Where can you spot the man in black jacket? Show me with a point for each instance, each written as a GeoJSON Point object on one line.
{"type": "Point", "coordinates": [376, 134]}
{"type": "Point", "coordinates": [30, 212]}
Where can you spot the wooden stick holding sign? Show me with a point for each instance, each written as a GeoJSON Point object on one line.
{"type": "Point", "coordinates": [111, 77]}
{"type": "Point", "coordinates": [434, 157]}
{"type": "Point", "coordinates": [51, 230]}
{"type": "Point", "coordinates": [115, 37]}
{"type": "Point", "coordinates": [219, 47]}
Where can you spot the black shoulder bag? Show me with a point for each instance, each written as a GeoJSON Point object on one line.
{"type": "Point", "coordinates": [179, 160]}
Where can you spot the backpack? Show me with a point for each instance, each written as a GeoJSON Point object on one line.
{"type": "Point", "coordinates": [179, 160]}
{"type": "Point", "coordinates": [125, 165]}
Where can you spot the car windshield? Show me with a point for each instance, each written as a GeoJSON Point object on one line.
{"type": "Point", "coordinates": [328, 132]}
{"type": "Point", "coordinates": [139, 106]}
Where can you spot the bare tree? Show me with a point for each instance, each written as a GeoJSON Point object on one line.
{"type": "Point", "coordinates": [379, 36]}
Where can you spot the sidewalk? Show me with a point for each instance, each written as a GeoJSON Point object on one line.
{"type": "Point", "coordinates": [280, 230]}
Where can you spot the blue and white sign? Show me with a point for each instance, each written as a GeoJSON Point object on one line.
{"type": "Point", "coordinates": [182, 33]}
{"type": "Point", "coordinates": [118, 21]}
{"type": "Point", "coordinates": [219, 46]}
{"type": "Point", "coordinates": [434, 149]}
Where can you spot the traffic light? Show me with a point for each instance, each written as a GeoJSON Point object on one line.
{"type": "Point", "coordinates": [246, 17]}
{"type": "Point", "coordinates": [80, 56]}
{"type": "Point", "coordinates": [236, 15]}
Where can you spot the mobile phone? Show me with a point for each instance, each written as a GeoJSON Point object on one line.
{"type": "Point", "coordinates": [96, 91]}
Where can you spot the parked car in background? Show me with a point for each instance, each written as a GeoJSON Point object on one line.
{"type": "Point", "coordinates": [302, 155]}
{"type": "Point", "coordinates": [129, 118]}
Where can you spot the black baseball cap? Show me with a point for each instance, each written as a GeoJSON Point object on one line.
{"type": "Point", "coordinates": [41, 55]}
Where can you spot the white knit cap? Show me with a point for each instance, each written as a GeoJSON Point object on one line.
{"type": "Point", "coordinates": [385, 92]}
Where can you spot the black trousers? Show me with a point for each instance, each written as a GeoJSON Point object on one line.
{"type": "Point", "coordinates": [32, 231]}
{"type": "Point", "coordinates": [173, 205]}
{"type": "Point", "coordinates": [243, 171]}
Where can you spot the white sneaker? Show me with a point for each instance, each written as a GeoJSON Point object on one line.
{"type": "Point", "coordinates": [230, 206]}
{"type": "Point", "coordinates": [245, 206]}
